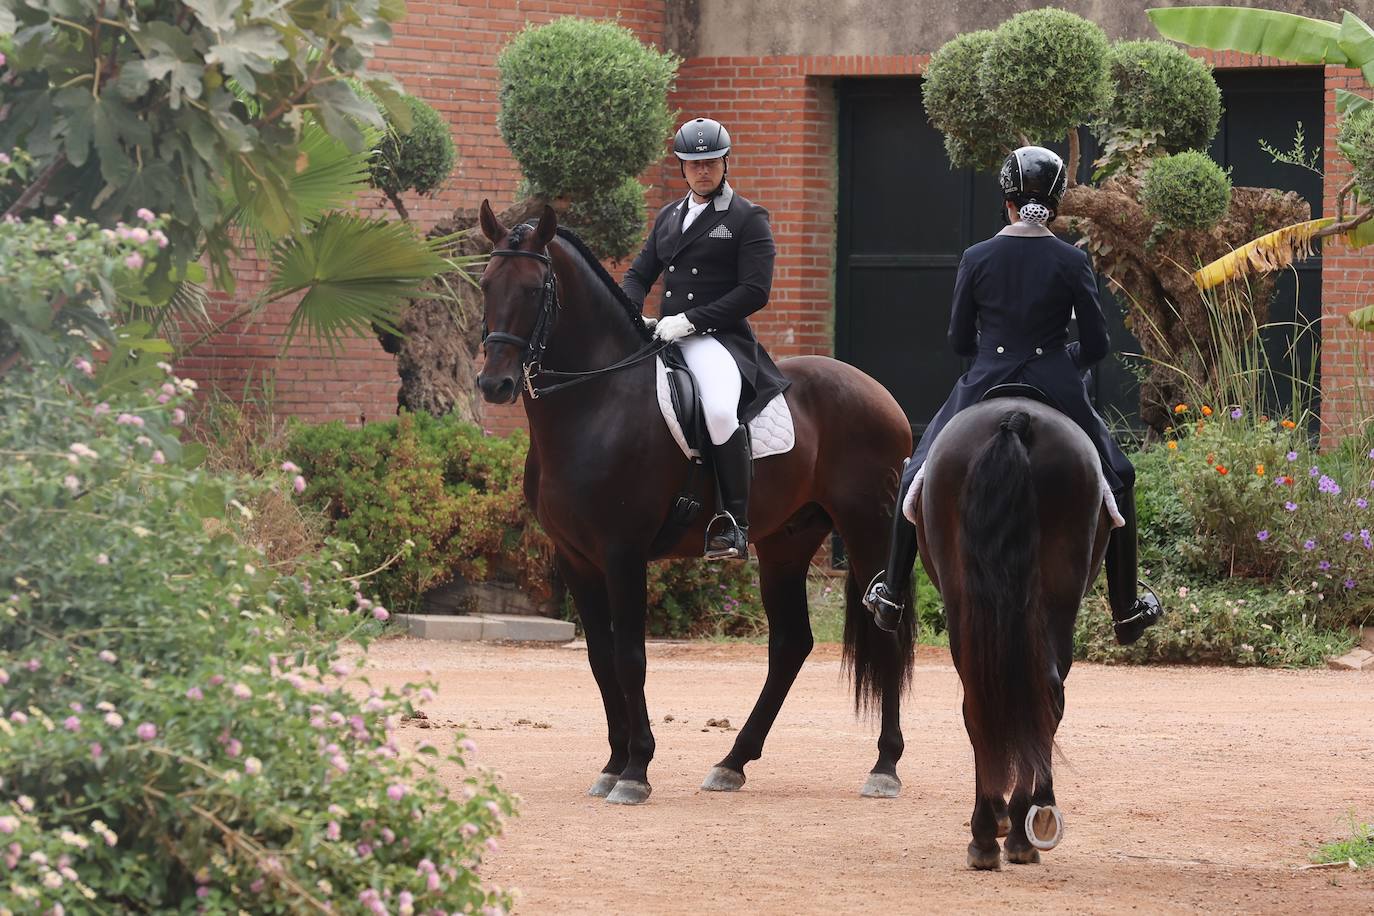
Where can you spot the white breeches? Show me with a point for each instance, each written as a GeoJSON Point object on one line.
{"type": "Point", "coordinates": [719, 382]}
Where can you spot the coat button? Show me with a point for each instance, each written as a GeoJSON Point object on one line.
{"type": "Point", "coordinates": [689, 296]}
{"type": "Point", "coordinates": [1039, 352]}
{"type": "Point", "coordinates": [671, 268]}
{"type": "Point", "coordinates": [999, 349]}
{"type": "Point", "coordinates": [694, 270]}
{"type": "Point", "coordinates": [668, 294]}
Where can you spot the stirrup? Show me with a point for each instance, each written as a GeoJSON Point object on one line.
{"type": "Point", "coordinates": [735, 532]}
{"type": "Point", "coordinates": [1148, 612]}
{"type": "Point", "coordinates": [887, 614]}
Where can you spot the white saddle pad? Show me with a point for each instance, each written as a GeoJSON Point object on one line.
{"type": "Point", "coordinates": [1108, 500]}
{"type": "Point", "coordinates": [770, 433]}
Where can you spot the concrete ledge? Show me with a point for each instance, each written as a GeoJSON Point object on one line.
{"type": "Point", "coordinates": [1355, 660]}
{"type": "Point", "coordinates": [487, 627]}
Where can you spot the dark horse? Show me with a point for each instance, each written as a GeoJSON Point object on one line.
{"type": "Point", "coordinates": [1012, 531]}
{"type": "Point", "coordinates": [603, 472]}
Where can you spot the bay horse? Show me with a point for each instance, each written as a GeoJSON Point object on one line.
{"type": "Point", "coordinates": [1012, 530]}
{"type": "Point", "coordinates": [603, 472]}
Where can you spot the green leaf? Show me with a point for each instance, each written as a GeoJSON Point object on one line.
{"type": "Point", "coordinates": [1361, 235]}
{"type": "Point", "coordinates": [1357, 41]}
{"type": "Point", "coordinates": [1347, 103]}
{"type": "Point", "coordinates": [1363, 319]}
{"type": "Point", "coordinates": [247, 51]}
{"type": "Point", "coordinates": [354, 271]}
{"type": "Point", "coordinates": [1250, 31]}
{"type": "Point", "coordinates": [343, 110]}
{"type": "Point", "coordinates": [217, 15]}
{"type": "Point", "coordinates": [388, 92]}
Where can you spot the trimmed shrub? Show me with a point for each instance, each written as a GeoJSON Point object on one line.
{"type": "Point", "coordinates": [1186, 191]}
{"type": "Point", "coordinates": [612, 222]}
{"type": "Point", "coordinates": [976, 135]}
{"type": "Point", "coordinates": [1158, 87]}
{"type": "Point", "coordinates": [420, 160]}
{"type": "Point", "coordinates": [1356, 139]}
{"type": "Point", "coordinates": [583, 105]}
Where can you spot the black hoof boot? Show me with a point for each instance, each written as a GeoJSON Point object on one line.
{"type": "Point", "coordinates": [1145, 613]}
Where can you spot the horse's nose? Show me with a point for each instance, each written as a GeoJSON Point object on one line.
{"type": "Point", "coordinates": [497, 390]}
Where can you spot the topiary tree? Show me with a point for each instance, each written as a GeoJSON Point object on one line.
{"type": "Point", "coordinates": [419, 159]}
{"type": "Point", "coordinates": [1156, 207]}
{"type": "Point", "coordinates": [584, 109]}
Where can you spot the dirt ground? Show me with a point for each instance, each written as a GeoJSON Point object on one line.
{"type": "Point", "coordinates": [1183, 789]}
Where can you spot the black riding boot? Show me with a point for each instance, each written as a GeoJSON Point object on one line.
{"type": "Point", "coordinates": [727, 535]}
{"type": "Point", "coordinates": [1130, 614]}
{"type": "Point", "coordinates": [887, 591]}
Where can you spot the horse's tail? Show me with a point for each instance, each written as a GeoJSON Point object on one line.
{"type": "Point", "coordinates": [1004, 640]}
{"type": "Point", "coordinates": [877, 661]}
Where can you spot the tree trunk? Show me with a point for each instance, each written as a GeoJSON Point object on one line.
{"type": "Point", "coordinates": [1151, 273]}
{"type": "Point", "coordinates": [436, 354]}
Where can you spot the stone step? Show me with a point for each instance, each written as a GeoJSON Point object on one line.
{"type": "Point", "coordinates": [487, 627]}
{"type": "Point", "coordinates": [1355, 660]}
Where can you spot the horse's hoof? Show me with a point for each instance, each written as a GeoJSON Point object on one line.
{"type": "Point", "coordinates": [1044, 826]}
{"type": "Point", "coordinates": [984, 859]}
{"type": "Point", "coordinates": [723, 779]}
{"type": "Point", "coordinates": [603, 785]}
{"type": "Point", "coordinates": [881, 785]}
{"type": "Point", "coordinates": [629, 792]}
{"type": "Point", "coordinates": [1003, 826]}
{"type": "Point", "coordinates": [1022, 855]}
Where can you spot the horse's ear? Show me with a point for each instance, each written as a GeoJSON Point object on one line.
{"type": "Point", "coordinates": [491, 226]}
{"type": "Point", "coordinates": [548, 222]}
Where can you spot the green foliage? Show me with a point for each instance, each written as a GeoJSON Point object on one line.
{"type": "Point", "coordinates": [173, 729]}
{"type": "Point", "coordinates": [1159, 87]}
{"type": "Point", "coordinates": [425, 499]}
{"type": "Point", "coordinates": [1359, 849]}
{"type": "Point", "coordinates": [612, 222]}
{"type": "Point", "coordinates": [1186, 191]}
{"type": "Point", "coordinates": [583, 105]}
{"type": "Point", "coordinates": [131, 105]}
{"type": "Point", "coordinates": [420, 159]}
{"type": "Point", "coordinates": [1356, 140]}
{"type": "Point", "coordinates": [976, 134]}
{"type": "Point", "coordinates": [701, 598]}
{"type": "Point", "coordinates": [1045, 72]}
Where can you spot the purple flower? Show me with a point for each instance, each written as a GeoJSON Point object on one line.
{"type": "Point", "coordinates": [1236, 413]}
{"type": "Point", "coordinates": [146, 731]}
{"type": "Point", "coordinates": [1314, 471]}
{"type": "Point", "coordinates": [1348, 537]}
{"type": "Point", "coordinates": [1309, 544]}
{"type": "Point", "coordinates": [1292, 456]}
{"type": "Point", "coordinates": [1371, 453]}
{"type": "Point", "coordinates": [1324, 565]}
{"type": "Point", "coordinates": [1361, 503]}
{"type": "Point", "coordinates": [1263, 535]}
{"type": "Point", "coordinates": [1349, 583]}
{"type": "Point", "coordinates": [1291, 506]}
{"type": "Point", "coordinates": [1327, 485]}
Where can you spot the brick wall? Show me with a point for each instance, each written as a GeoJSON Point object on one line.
{"type": "Point", "coordinates": [445, 53]}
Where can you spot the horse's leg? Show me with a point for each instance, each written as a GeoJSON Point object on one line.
{"type": "Point", "coordinates": [625, 587]}
{"type": "Point", "coordinates": [588, 589]}
{"type": "Point", "coordinates": [784, 559]}
{"type": "Point", "coordinates": [984, 852]}
{"type": "Point", "coordinates": [1043, 829]}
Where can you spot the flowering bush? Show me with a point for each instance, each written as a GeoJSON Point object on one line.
{"type": "Point", "coordinates": [173, 733]}
{"type": "Point", "coordinates": [1266, 504]}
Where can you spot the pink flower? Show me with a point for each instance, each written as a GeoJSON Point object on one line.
{"type": "Point", "coordinates": [33, 664]}
{"type": "Point", "coordinates": [19, 717]}
{"type": "Point", "coordinates": [396, 792]}
{"type": "Point", "coordinates": [194, 693]}
{"type": "Point", "coordinates": [72, 724]}
{"type": "Point", "coordinates": [298, 484]}
{"type": "Point", "coordinates": [4, 676]}
{"type": "Point", "coordinates": [242, 691]}
{"type": "Point", "coordinates": [59, 220]}
{"type": "Point", "coordinates": [252, 766]}
{"type": "Point", "coordinates": [145, 214]}
{"type": "Point", "coordinates": [146, 731]}
{"type": "Point", "coordinates": [468, 830]}
{"type": "Point", "coordinates": [202, 892]}
{"type": "Point", "coordinates": [96, 750]}
{"type": "Point", "coordinates": [72, 484]}
{"type": "Point", "coordinates": [380, 612]}
{"type": "Point", "coordinates": [257, 886]}
{"type": "Point", "coordinates": [468, 746]}
{"type": "Point", "coordinates": [216, 680]}
{"type": "Point", "coordinates": [289, 467]}
{"type": "Point", "coordinates": [158, 457]}
{"type": "Point", "coordinates": [114, 720]}
{"type": "Point", "coordinates": [159, 238]}
{"type": "Point", "coordinates": [102, 560]}
{"type": "Point", "coordinates": [139, 234]}
{"type": "Point", "coordinates": [332, 831]}
{"type": "Point", "coordinates": [134, 261]}
{"type": "Point", "coordinates": [178, 416]}
{"type": "Point", "coordinates": [107, 656]}
{"type": "Point", "coordinates": [8, 824]}
{"type": "Point", "coordinates": [233, 747]}
{"type": "Point", "coordinates": [84, 366]}
{"type": "Point", "coordinates": [128, 419]}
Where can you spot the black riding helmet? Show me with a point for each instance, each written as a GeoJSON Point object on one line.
{"type": "Point", "coordinates": [702, 138]}
{"type": "Point", "coordinates": [1033, 174]}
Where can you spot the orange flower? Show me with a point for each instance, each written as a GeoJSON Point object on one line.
{"type": "Point", "coordinates": [1288, 424]}
{"type": "Point", "coordinates": [1181, 408]}
{"type": "Point", "coordinates": [1285, 480]}
{"type": "Point", "coordinates": [1206, 411]}
{"type": "Point", "coordinates": [1221, 469]}
{"type": "Point", "coordinates": [1211, 459]}
{"type": "Point", "coordinates": [1173, 444]}
{"type": "Point", "coordinates": [1259, 470]}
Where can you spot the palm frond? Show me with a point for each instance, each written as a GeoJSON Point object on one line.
{"type": "Point", "coordinates": [1363, 319]}
{"type": "Point", "coordinates": [1274, 251]}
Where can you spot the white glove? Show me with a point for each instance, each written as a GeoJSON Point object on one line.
{"type": "Point", "coordinates": [674, 327]}
{"type": "Point", "coordinates": [649, 322]}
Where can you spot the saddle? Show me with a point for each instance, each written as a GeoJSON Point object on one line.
{"type": "Point", "coordinates": [1019, 390]}
{"type": "Point", "coordinates": [686, 398]}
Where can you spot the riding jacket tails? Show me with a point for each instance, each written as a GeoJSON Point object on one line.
{"type": "Point", "coordinates": [717, 272]}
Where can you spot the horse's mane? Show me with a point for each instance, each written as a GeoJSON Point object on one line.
{"type": "Point", "coordinates": [593, 264]}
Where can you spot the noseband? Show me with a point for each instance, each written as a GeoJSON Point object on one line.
{"type": "Point", "coordinates": [532, 349]}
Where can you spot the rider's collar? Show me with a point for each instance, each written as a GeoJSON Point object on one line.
{"type": "Point", "coordinates": [722, 200]}
{"type": "Point", "coordinates": [1025, 230]}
